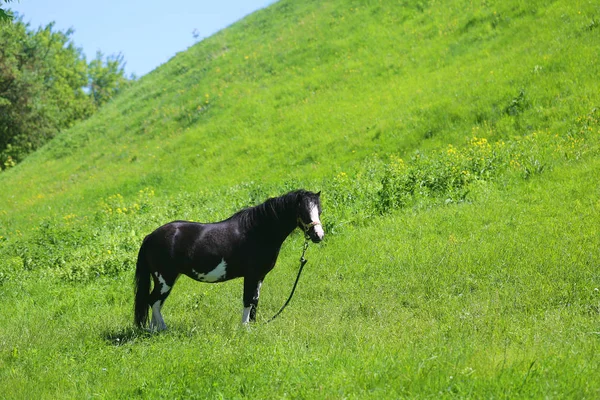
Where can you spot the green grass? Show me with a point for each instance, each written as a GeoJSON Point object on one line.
{"type": "Point", "coordinates": [468, 300]}
{"type": "Point", "coordinates": [457, 148]}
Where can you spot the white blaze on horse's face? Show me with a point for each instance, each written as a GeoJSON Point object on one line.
{"type": "Point", "coordinates": [314, 219]}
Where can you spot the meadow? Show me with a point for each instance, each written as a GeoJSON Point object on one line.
{"type": "Point", "coordinates": [456, 147]}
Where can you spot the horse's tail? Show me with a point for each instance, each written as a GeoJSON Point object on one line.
{"type": "Point", "coordinates": [142, 289]}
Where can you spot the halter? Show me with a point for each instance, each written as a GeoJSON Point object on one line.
{"type": "Point", "coordinates": [306, 226]}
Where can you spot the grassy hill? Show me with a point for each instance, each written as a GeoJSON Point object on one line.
{"type": "Point", "coordinates": [456, 145]}
{"type": "Point", "coordinates": [304, 91]}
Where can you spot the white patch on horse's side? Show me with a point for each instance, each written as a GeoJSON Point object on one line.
{"type": "Point", "coordinates": [217, 274]}
{"type": "Point", "coordinates": [314, 218]}
{"type": "Point", "coordinates": [164, 288]}
{"type": "Point", "coordinates": [246, 315]}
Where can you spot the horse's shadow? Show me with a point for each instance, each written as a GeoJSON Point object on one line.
{"type": "Point", "coordinates": [126, 335]}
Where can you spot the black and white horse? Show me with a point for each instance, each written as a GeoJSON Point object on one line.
{"type": "Point", "coordinates": [245, 245]}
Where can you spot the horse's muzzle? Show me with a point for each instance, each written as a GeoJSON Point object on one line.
{"type": "Point", "coordinates": [316, 233]}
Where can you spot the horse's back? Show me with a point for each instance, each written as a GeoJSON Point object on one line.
{"type": "Point", "coordinates": [179, 240]}
{"type": "Point", "coordinates": [175, 234]}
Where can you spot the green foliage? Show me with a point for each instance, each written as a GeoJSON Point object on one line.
{"type": "Point", "coordinates": [42, 81]}
{"type": "Point", "coordinates": [40, 88]}
{"type": "Point", "coordinates": [106, 77]}
{"type": "Point", "coordinates": [5, 15]}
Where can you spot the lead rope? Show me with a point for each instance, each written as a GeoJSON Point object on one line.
{"type": "Point", "coordinates": [302, 262]}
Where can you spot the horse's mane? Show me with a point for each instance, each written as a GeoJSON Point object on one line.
{"type": "Point", "coordinates": [273, 209]}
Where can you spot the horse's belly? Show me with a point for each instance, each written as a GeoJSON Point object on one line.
{"type": "Point", "coordinates": [217, 274]}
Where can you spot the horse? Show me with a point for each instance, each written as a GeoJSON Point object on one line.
{"type": "Point", "coordinates": [245, 245]}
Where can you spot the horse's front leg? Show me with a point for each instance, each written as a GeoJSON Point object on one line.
{"type": "Point", "coordinates": [251, 294]}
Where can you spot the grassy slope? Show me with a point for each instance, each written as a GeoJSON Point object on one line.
{"type": "Point", "coordinates": [494, 297]}
{"type": "Point", "coordinates": [489, 299]}
{"type": "Point", "coordinates": [309, 89]}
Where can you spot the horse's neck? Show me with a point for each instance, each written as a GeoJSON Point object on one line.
{"type": "Point", "coordinates": [276, 228]}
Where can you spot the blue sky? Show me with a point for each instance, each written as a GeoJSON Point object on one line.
{"type": "Point", "coordinates": [148, 33]}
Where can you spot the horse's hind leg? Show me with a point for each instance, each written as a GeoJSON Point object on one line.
{"type": "Point", "coordinates": [163, 285]}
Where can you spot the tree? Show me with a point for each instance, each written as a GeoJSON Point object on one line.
{"type": "Point", "coordinates": [106, 77]}
{"type": "Point", "coordinates": [5, 15]}
{"type": "Point", "coordinates": [42, 75]}
{"type": "Point", "coordinates": [46, 86]}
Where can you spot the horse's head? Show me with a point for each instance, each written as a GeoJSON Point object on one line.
{"type": "Point", "coordinates": [309, 211]}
